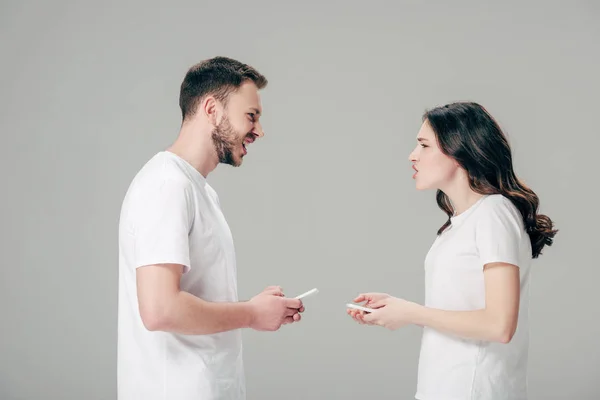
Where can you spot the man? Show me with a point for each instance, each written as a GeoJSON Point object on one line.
{"type": "Point", "coordinates": [180, 320]}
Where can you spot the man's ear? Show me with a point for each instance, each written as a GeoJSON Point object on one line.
{"type": "Point", "coordinates": [210, 108]}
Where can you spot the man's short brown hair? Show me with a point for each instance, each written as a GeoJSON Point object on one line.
{"type": "Point", "coordinates": [218, 76]}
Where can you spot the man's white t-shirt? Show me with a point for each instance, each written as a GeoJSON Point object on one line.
{"type": "Point", "coordinates": [170, 214]}
{"type": "Point", "coordinates": [453, 368]}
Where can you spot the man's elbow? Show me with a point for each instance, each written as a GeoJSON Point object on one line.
{"type": "Point", "coordinates": [154, 321]}
{"type": "Point", "coordinates": [155, 317]}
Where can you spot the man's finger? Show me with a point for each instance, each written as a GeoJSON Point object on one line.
{"type": "Point", "coordinates": [290, 312]}
{"type": "Point", "coordinates": [293, 303]}
{"type": "Point", "coordinates": [273, 292]}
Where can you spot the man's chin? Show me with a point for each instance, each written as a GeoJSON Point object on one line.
{"type": "Point", "coordinates": [237, 161]}
{"type": "Point", "coordinates": [230, 159]}
{"type": "Point", "coordinates": [234, 161]}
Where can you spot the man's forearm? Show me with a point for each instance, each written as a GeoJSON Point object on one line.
{"type": "Point", "coordinates": [190, 315]}
{"type": "Point", "coordinates": [477, 324]}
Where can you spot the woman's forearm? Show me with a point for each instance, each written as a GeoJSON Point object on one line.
{"type": "Point", "coordinates": [477, 324]}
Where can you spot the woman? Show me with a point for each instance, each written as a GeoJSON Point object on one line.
{"type": "Point", "coordinates": [475, 317]}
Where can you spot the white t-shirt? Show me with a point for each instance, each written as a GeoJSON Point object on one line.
{"type": "Point", "coordinates": [453, 368]}
{"type": "Point", "coordinates": [170, 214]}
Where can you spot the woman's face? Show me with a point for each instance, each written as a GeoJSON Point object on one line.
{"type": "Point", "coordinates": [433, 169]}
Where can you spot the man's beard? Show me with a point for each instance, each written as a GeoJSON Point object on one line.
{"type": "Point", "coordinates": [225, 140]}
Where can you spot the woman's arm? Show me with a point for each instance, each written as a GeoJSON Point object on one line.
{"type": "Point", "coordinates": [496, 322]}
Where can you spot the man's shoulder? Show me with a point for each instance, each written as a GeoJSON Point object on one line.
{"type": "Point", "coordinates": [161, 170]}
{"type": "Point", "coordinates": [159, 177]}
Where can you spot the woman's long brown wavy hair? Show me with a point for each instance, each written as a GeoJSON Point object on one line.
{"type": "Point", "coordinates": [466, 132]}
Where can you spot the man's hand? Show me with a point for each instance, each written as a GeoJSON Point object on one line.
{"type": "Point", "coordinates": [270, 309]}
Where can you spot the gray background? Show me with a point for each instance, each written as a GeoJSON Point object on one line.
{"type": "Point", "coordinates": [89, 91]}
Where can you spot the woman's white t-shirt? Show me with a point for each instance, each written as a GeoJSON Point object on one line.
{"type": "Point", "coordinates": [453, 368]}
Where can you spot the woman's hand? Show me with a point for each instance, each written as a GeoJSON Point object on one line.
{"type": "Point", "coordinates": [390, 312]}
{"type": "Point", "coordinates": [368, 299]}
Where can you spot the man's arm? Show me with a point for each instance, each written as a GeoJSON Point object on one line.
{"type": "Point", "coordinates": [165, 307]}
{"type": "Point", "coordinates": [160, 231]}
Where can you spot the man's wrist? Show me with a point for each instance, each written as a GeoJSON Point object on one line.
{"type": "Point", "coordinates": [247, 313]}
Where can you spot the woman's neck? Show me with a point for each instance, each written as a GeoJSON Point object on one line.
{"type": "Point", "coordinates": [461, 195]}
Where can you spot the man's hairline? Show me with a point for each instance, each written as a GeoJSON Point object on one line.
{"type": "Point", "coordinates": [225, 101]}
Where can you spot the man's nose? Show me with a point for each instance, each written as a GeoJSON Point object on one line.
{"type": "Point", "coordinates": [258, 131]}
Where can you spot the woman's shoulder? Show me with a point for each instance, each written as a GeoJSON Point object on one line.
{"type": "Point", "coordinates": [497, 201]}
{"type": "Point", "coordinates": [500, 206]}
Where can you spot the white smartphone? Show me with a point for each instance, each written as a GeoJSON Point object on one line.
{"type": "Point", "coordinates": [306, 294]}
{"type": "Point", "coordinates": [359, 307]}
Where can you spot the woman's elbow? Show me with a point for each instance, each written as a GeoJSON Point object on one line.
{"type": "Point", "coordinates": [505, 337]}
{"type": "Point", "coordinates": [504, 332]}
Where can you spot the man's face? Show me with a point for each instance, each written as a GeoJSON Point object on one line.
{"type": "Point", "coordinates": [239, 125]}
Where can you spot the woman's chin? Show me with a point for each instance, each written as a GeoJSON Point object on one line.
{"type": "Point", "coordinates": [421, 186]}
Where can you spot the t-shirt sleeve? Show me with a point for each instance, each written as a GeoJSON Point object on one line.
{"type": "Point", "coordinates": [162, 224]}
{"type": "Point", "coordinates": [498, 233]}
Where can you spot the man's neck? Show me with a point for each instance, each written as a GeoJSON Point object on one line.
{"type": "Point", "coordinates": [197, 149]}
